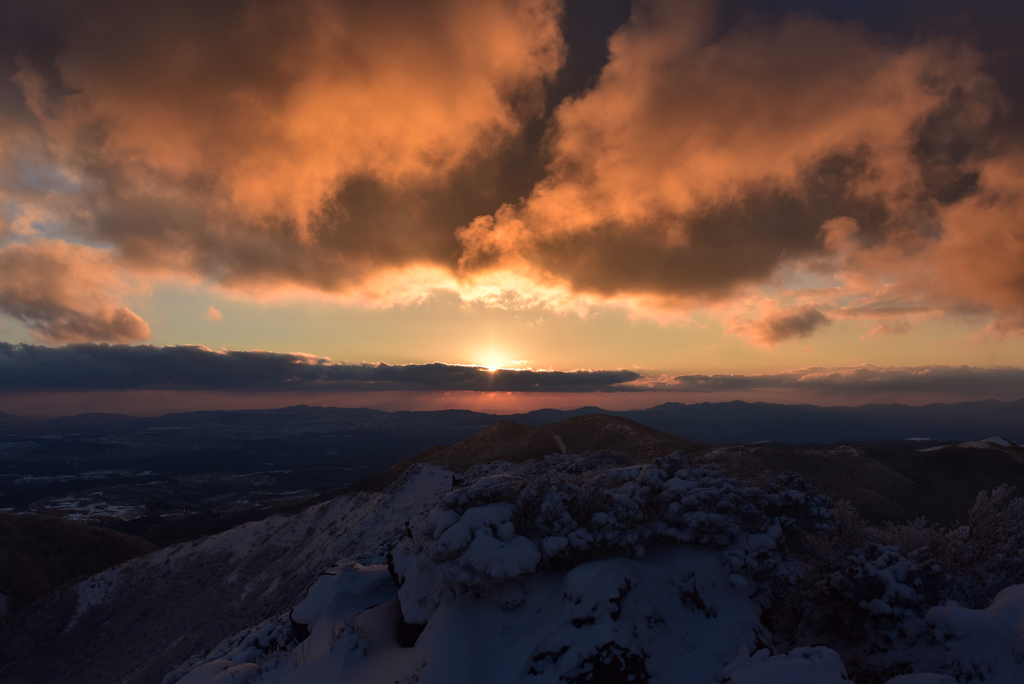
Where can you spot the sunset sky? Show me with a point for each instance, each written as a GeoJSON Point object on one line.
{"type": "Point", "coordinates": [509, 204]}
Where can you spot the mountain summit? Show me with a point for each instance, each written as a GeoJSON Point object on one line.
{"type": "Point", "coordinates": [513, 442]}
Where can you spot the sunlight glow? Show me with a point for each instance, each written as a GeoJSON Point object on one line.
{"type": "Point", "coordinates": [494, 360]}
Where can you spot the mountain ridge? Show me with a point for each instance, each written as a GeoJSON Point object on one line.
{"type": "Point", "coordinates": [710, 422]}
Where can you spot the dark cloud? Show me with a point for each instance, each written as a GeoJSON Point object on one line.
{"type": "Point", "coordinates": [705, 160]}
{"type": "Point", "coordinates": [727, 243]}
{"type": "Point", "coordinates": [784, 326]}
{"type": "Point", "coordinates": [867, 379]}
{"type": "Point", "coordinates": [81, 367]}
{"type": "Point", "coordinates": [102, 367]}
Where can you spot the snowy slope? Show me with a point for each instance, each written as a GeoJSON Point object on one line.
{"type": "Point", "coordinates": [569, 569]}
{"type": "Point", "coordinates": [576, 570]}
{"type": "Point", "coordinates": [135, 621]}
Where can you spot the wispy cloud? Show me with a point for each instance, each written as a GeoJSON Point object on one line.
{"type": "Point", "coordinates": [779, 326]}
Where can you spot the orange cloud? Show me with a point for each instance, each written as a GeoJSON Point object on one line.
{"type": "Point", "coordinates": [979, 261]}
{"type": "Point", "coordinates": [972, 265]}
{"type": "Point", "coordinates": [270, 108]}
{"type": "Point", "coordinates": [700, 165]}
{"type": "Point", "coordinates": [66, 293]}
{"type": "Point", "coordinates": [311, 144]}
{"type": "Point", "coordinates": [368, 153]}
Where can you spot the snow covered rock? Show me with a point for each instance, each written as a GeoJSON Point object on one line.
{"type": "Point", "coordinates": [973, 645]}
{"type": "Point", "coordinates": [805, 665]}
{"type": "Point", "coordinates": [575, 569]}
{"type": "Point", "coordinates": [672, 611]}
{"type": "Point", "coordinates": [571, 569]}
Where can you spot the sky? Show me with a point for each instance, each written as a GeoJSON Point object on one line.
{"type": "Point", "coordinates": [509, 204]}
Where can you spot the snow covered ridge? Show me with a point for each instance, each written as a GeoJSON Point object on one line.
{"type": "Point", "coordinates": [994, 442]}
{"type": "Point", "coordinates": [508, 523]}
{"type": "Point", "coordinates": [576, 570]}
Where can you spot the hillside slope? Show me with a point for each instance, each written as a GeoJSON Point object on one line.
{"type": "Point", "coordinates": [133, 622]}
{"type": "Point", "coordinates": [42, 553]}
{"type": "Point", "coordinates": [179, 601]}
{"type": "Point", "coordinates": [886, 483]}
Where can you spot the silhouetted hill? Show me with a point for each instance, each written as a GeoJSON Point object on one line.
{"type": "Point", "coordinates": [741, 422]}
{"type": "Point", "coordinates": [516, 443]}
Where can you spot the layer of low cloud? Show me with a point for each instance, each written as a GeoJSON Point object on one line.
{"type": "Point", "coordinates": [83, 367]}
{"type": "Point", "coordinates": [119, 368]}
{"type": "Point", "coordinates": [868, 379]}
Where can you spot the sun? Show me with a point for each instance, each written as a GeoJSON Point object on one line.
{"type": "Point", "coordinates": [492, 360]}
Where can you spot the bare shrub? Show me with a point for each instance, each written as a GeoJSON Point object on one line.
{"type": "Point", "coordinates": [849, 533]}
{"type": "Point", "coordinates": [914, 536]}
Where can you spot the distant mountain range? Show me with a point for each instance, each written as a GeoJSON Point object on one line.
{"type": "Point", "coordinates": [735, 422]}
{"type": "Point", "coordinates": [740, 422]}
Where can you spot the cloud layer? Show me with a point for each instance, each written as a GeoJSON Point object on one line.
{"type": "Point", "coordinates": [868, 379]}
{"type": "Point", "coordinates": [83, 367]}
{"type": "Point", "coordinates": [120, 367]}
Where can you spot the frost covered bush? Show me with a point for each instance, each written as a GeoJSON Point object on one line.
{"type": "Point", "coordinates": [987, 555]}
{"type": "Point", "coordinates": [575, 569]}
{"type": "Point", "coordinates": [877, 597]}
{"type": "Point", "coordinates": [485, 537]}
{"type": "Point", "coordinates": [847, 533]}
{"type": "Point", "coordinates": [872, 593]}
{"type": "Point", "coordinates": [979, 559]}
{"type": "Point", "coordinates": [913, 536]}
